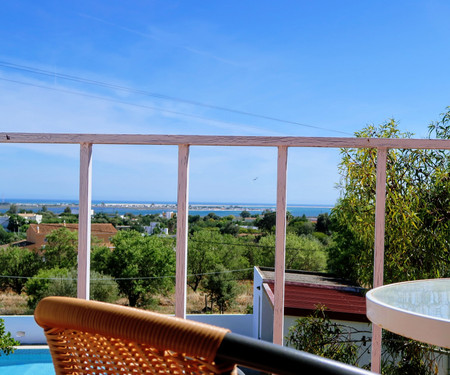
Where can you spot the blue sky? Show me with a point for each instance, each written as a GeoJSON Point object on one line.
{"type": "Point", "coordinates": [335, 66]}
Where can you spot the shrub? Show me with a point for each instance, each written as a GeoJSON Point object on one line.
{"type": "Point", "coordinates": [62, 282]}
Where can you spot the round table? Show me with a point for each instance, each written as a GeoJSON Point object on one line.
{"type": "Point", "coordinates": [417, 309]}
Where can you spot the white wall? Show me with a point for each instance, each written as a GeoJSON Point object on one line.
{"type": "Point", "coordinates": [24, 328]}
{"type": "Point", "coordinates": [289, 321]}
{"type": "Point", "coordinates": [237, 323]}
{"type": "Point", "coordinates": [257, 302]}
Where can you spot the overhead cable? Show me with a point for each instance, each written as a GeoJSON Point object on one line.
{"type": "Point", "coordinates": [156, 95]}
{"type": "Point", "coordinates": [125, 278]}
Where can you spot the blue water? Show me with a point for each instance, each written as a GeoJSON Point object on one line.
{"type": "Point", "coordinates": [295, 210]}
{"type": "Point", "coordinates": [28, 369]}
{"type": "Point", "coordinates": [27, 362]}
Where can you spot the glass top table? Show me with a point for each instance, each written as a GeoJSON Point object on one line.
{"type": "Point", "coordinates": [417, 309]}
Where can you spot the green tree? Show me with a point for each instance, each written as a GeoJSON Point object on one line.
{"type": "Point", "coordinates": [20, 263]}
{"type": "Point", "coordinates": [13, 210]}
{"type": "Point", "coordinates": [67, 210]}
{"type": "Point", "coordinates": [5, 237]}
{"type": "Point", "coordinates": [36, 287]}
{"type": "Point", "coordinates": [49, 217]}
{"type": "Point", "coordinates": [7, 343]}
{"type": "Point", "coordinates": [323, 223]}
{"type": "Point", "coordinates": [302, 252]}
{"type": "Point", "coordinates": [202, 256]}
{"type": "Point", "coordinates": [211, 216]}
{"type": "Point", "coordinates": [15, 223]}
{"type": "Point", "coordinates": [417, 215]}
{"type": "Point", "coordinates": [207, 248]}
{"type": "Point", "coordinates": [245, 214]}
{"type": "Point", "coordinates": [63, 282]}
{"type": "Point", "coordinates": [143, 265]}
{"type": "Point", "coordinates": [303, 228]}
{"type": "Point", "coordinates": [417, 227]}
{"type": "Point", "coordinates": [316, 334]}
{"type": "Point", "coordinates": [230, 228]}
{"type": "Point", "coordinates": [222, 288]}
{"type": "Point", "coordinates": [61, 249]}
{"type": "Point", "coordinates": [267, 222]}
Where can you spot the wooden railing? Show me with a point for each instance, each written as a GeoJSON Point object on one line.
{"type": "Point", "coordinates": [184, 142]}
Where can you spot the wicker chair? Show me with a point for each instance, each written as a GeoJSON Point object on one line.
{"type": "Point", "coordinates": [89, 337]}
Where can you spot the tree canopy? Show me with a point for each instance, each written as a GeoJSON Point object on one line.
{"type": "Point", "coordinates": [302, 252]}
{"type": "Point", "coordinates": [417, 209]}
{"type": "Point", "coordinates": [61, 249]}
{"type": "Point", "coordinates": [142, 265]}
{"type": "Point", "coordinates": [16, 266]}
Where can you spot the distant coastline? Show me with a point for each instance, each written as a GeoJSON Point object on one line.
{"type": "Point", "coordinates": [144, 208]}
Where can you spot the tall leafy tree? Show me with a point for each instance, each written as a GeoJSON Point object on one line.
{"type": "Point", "coordinates": [13, 210]}
{"type": "Point", "coordinates": [16, 266]}
{"type": "Point", "coordinates": [63, 282]}
{"type": "Point", "coordinates": [207, 248]}
{"type": "Point", "coordinates": [142, 265]}
{"type": "Point", "coordinates": [61, 249]}
{"type": "Point", "coordinates": [417, 221]}
{"type": "Point", "coordinates": [417, 210]}
{"type": "Point", "coordinates": [302, 252]}
{"type": "Point", "coordinates": [222, 287]}
{"type": "Point", "coordinates": [203, 254]}
{"type": "Point", "coordinates": [15, 223]}
{"type": "Point", "coordinates": [323, 223]}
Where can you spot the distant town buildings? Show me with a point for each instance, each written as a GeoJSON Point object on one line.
{"type": "Point", "coordinates": [153, 225]}
{"type": "Point", "coordinates": [32, 217]}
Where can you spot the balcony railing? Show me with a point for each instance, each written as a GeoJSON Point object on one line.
{"type": "Point", "coordinates": [184, 142]}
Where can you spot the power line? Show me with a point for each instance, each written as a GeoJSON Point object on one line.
{"type": "Point", "coordinates": [156, 95]}
{"type": "Point", "coordinates": [125, 278]}
{"type": "Point", "coordinates": [252, 245]}
{"type": "Point", "coordinates": [114, 100]}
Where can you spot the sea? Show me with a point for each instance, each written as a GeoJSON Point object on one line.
{"type": "Point", "coordinates": [148, 208]}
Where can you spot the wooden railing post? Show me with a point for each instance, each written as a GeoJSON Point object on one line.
{"type": "Point", "coordinates": [84, 226]}
{"type": "Point", "coordinates": [182, 228]}
{"type": "Point", "coordinates": [280, 247]}
{"type": "Point", "coordinates": [380, 210]}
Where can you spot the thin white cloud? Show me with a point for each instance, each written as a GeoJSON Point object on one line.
{"type": "Point", "coordinates": [163, 37]}
{"type": "Point", "coordinates": [67, 107]}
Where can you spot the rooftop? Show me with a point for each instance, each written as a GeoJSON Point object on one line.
{"type": "Point", "coordinates": [304, 291]}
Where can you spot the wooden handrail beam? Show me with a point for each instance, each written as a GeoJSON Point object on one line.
{"type": "Point", "coordinates": [214, 140]}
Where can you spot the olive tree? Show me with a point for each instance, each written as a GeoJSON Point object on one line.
{"type": "Point", "coordinates": [17, 265]}
{"type": "Point", "coordinates": [142, 265]}
{"type": "Point", "coordinates": [302, 252]}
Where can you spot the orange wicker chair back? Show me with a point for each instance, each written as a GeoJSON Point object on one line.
{"type": "Point", "coordinates": [89, 337]}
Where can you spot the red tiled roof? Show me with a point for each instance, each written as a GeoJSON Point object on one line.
{"type": "Point", "coordinates": [95, 228]}
{"type": "Point", "coordinates": [341, 303]}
